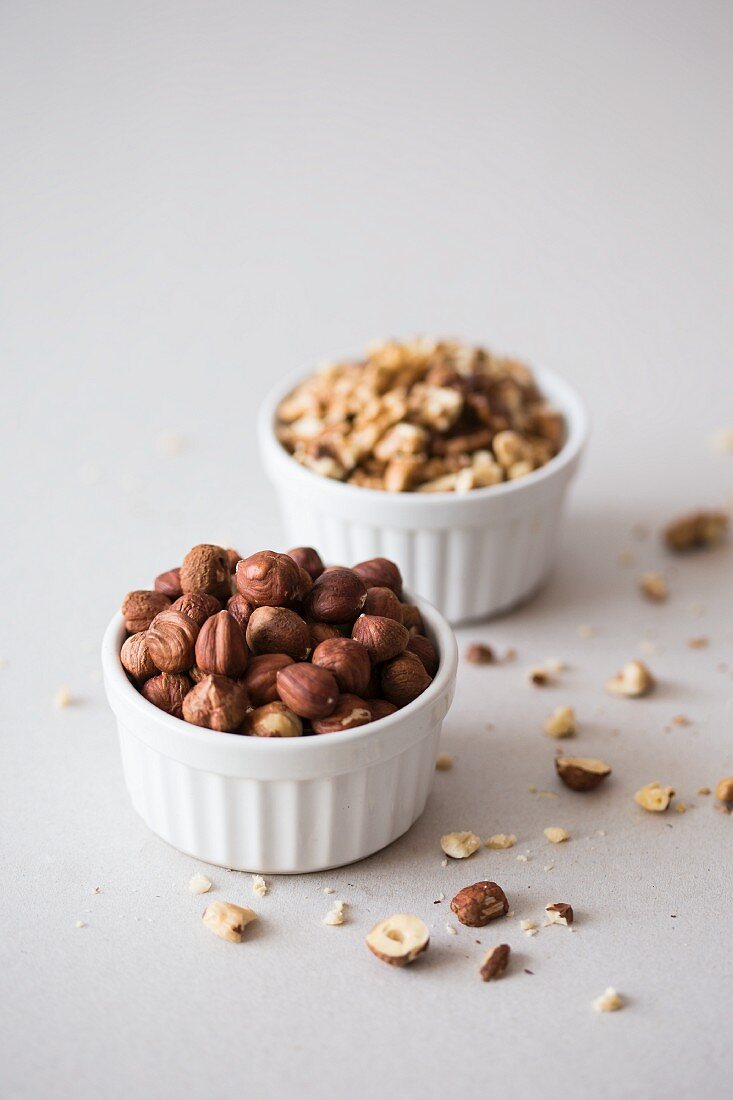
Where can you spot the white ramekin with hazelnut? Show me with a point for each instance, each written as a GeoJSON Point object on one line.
{"type": "Point", "coordinates": [275, 715]}
{"type": "Point", "coordinates": [443, 456]}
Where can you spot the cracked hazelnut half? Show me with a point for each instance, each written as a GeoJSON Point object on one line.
{"type": "Point", "coordinates": [220, 647]}
{"type": "Point", "coordinates": [399, 939]}
{"type": "Point", "coordinates": [348, 661]}
{"type": "Point", "coordinates": [273, 720]}
{"type": "Point", "coordinates": [310, 691]}
{"type": "Point", "coordinates": [581, 773]}
{"type": "Point", "coordinates": [495, 962]}
{"type": "Point", "coordinates": [140, 607]}
{"type": "Point", "coordinates": [227, 920]}
{"type": "Point", "coordinates": [172, 641]}
{"type": "Point", "coordinates": [480, 903]}
{"type": "Point", "coordinates": [278, 630]}
{"type": "Point", "coordinates": [382, 638]}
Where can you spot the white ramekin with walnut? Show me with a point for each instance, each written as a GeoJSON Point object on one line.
{"type": "Point", "coordinates": [448, 459]}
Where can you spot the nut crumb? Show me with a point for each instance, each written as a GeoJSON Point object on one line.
{"type": "Point", "coordinates": [556, 835]}
{"type": "Point", "coordinates": [561, 723]}
{"type": "Point", "coordinates": [698, 643]}
{"type": "Point", "coordinates": [259, 886]}
{"type": "Point", "coordinates": [703, 791]}
{"type": "Point", "coordinates": [443, 762]}
{"type": "Point", "coordinates": [170, 443]}
{"type": "Point", "coordinates": [480, 654]}
{"type": "Point", "coordinates": [722, 440]}
{"type": "Point", "coordinates": [654, 587]}
{"type": "Point", "coordinates": [227, 920]}
{"type": "Point", "coordinates": [444, 863]}
{"type": "Point", "coordinates": [199, 884]}
{"type": "Point", "coordinates": [634, 680]}
{"type": "Point", "coordinates": [501, 840]}
{"type": "Point", "coordinates": [80, 924]}
{"type": "Point", "coordinates": [335, 916]}
{"type": "Point", "coordinates": [586, 631]}
{"type": "Point", "coordinates": [62, 698]}
{"type": "Point", "coordinates": [724, 790]}
{"type": "Point", "coordinates": [495, 962]}
{"type": "Point", "coordinates": [460, 845]}
{"type": "Point", "coordinates": [540, 676]}
{"type": "Point", "coordinates": [654, 798]}
{"type": "Point", "coordinates": [97, 890]}
{"type": "Point", "coordinates": [681, 808]}
{"type": "Point", "coordinates": [701, 530]}
{"type": "Point", "coordinates": [681, 720]}
{"type": "Point", "coordinates": [451, 930]}
{"type": "Point", "coordinates": [549, 867]}
{"type": "Point", "coordinates": [559, 912]}
{"type": "Point", "coordinates": [610, 1001]}
{"type": "Point", "coordinates": [522, 859]}
{"type": "Point", "coordinates": [328, 890]}
{"type": "Point", "coordinates": [626, 557]}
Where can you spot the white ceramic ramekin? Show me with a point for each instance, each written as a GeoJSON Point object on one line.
{"type": "Point", "coordinates": [471, 555]}
{"type": "Point", "coordinates": [280, 806]}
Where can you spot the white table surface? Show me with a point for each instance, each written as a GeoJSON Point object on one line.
{"type": "Point", "coordinates": [199, 197]}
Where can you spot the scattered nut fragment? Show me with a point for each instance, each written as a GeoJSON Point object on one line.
{"type": "Point", "coordinates": [698, 531]}
{"type": "Point", "coordinates": [529, 927]}
{"type": "Point", "coordinates": [399, 939]}
{"type": "Point", "coordinates": [724, 790]}
{"type": "Point", "coordinates": [654, 587]}
{"type": "Point", "coordinates": [556, 835]}
{"type": "Point", "coordinates": [443, 762]}
{"type": "Point", "coordinates": [722, 440]}
{"type": "Point", "coordinates": [703, 791]}
{"type": "Point", "coordinates": [335, 916]}
{"type": "Point", "coordinates": [460, 845]}
{"type": "Point", "coordinates": [480, 654]}
{"type": "Point", "coordinates": [480, 903]}
{"type": "Point", "coordinates": [199, 884]}
{"type": "Point", "coordinates": [698, 643]}
{"type": "Point", "coordinates": [227, 920]}
{"type": "Point", "coordinates": [540, 676]}
{"type": "Point", "coordinates": [259, 886]}
{"type": "Point", "coordinates": [586, 631]}
{"type": "Point", "coordinates": [501, 840]}
{"type": "Point", "coordinates": [681, 808]}
{"type": "Point", "coordinates": [272, 720]}
{"type": "Point", "coordinates": [495, 962]}
{"type": "Point", "coordinates": [561, 723]}
{"type": "Point", "coordinates": [610, 1001]}
{"type": "Point", "coordinates": [62, 698]}
{"type": "Point", "coordinates": [559, 912]}
{"type": "Point", "coordinates": [451, 930]}
{"type": "Point", "coordinates": [654, 798]}
{"type": "Point", "coordinates": [634, 680]}
{"type": "Point", "coordinates": [581, 773]}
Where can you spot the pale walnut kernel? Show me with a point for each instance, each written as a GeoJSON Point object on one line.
{"type": "Point", "coordinates": [460, 845]}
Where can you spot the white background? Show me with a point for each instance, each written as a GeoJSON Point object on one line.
{"type": "Point", "coordinates": [198, 197]}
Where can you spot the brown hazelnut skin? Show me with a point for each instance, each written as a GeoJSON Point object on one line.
{"type": "Point", "coordinates": [382, 601]}
{"type": "Point", "coordinates": [216, 703]}
{"type": "Point", "coordinates": [380, 573]}
{"type": "Point", "coordinates": [135, 658]}
{"type": "Point", "coordinates": [240, 609]}
{"type": "Point", "coordinates": [197, 605]}
{"type": "Point", "coordinates": [337, 596]}
{"type": "Point", "coordinates": [233, 556]}
{"type": "Point", "coordinates": [309, 559]}
{"type": "Point", "coordinates": [260, 679]}
{"type": "Point", "coordinates": [167, 691]}
{"type": "Point", "coordinates": [310, 691]}
{"type": "Point", "coordinates": [347, 661]}
{"type": "Point", "coordinates": [140, 607]}
{"type": "Point", "coordinates": [306, 583]}
{"type": "Point", "coordinates": [412, 619]}
{"type": "Point", "coordinates": [380, 708]}
{"type": "Point", "coordinates": [220, 647]}
{"type": "Point", "coordinates": [382, 638]}
{"type": "Point", "coordinates": [423, 648]}
{"type": "Point", "coordinates": [403, 679]}
{"type": "Point", "coordinates": [272, 720]}
{"type": "Point", "coordinates": [480, 903]}
{"type": "Point", "coordinates": [278, 630]}
{"type": "Point", "coordinates": [169, 584]}
{"type": "Point", "coordinates": [319, 632]}
{"type": "Point", "coordinates": [205, 568]}
{"type": "Point", "coordinates": [172, 641]}
{"type": "Point", "coordinates": [267, 579]}
{"type": "Point", "coordinates": [350, 711]}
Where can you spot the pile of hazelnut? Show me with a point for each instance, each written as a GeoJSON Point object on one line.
{"type": "Point", "coordinates": [276, 645]}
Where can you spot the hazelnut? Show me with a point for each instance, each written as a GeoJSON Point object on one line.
{"type": "Point", "coordinates": [233, 557]}
{"type": "Point", "coordinates": [724, 790]}
{"type": "Point", "coordinates": [216, 703]}
{"type": "Point", "coordinates": [380, 573]}
{"type": "Point", "coordinates": [278, 630]}
{"type": "Point", "coordinates": [382, 601]}
{"type": "Point", "coordinates": [398, 940]}
{"type": "Point", "coordinates": [382, 638]}
{"type": "Point", "coordinates": [309, 559]}
{"type": "Point", "coordinates": [273, 720]}
{"type": "Point", "coordinates": [135, 658]}
{"type": "Point", "coordinates": [310, 691]}
{"type": "Point", "coordinates": [633, 680]}
{"type": "Point", "coordinates": [380, 708]}
{"type": "Point", "coordinates": [167, 691]}
{"type": "Point", "coordinates": [169, 583]}
{"type": "Point", "coordinates": [412, 619]}
{"type": "Point", "coordinates": [139, 608]}
{"type": "Point", "coordinates": [197, 605]}
{"type": "Point", "coordinates": [581, 773]}
{"type": "Point", "coordinates": [260, 679]}
{"type": "Point", "coordinates": [460, 845]}
{"type": "Point", "coordinates": [172, 640]}
{"type": "Point", "coordinates": [654, 798]}
{"type": "Point", "coordinates": [476, 905]}
{"type": "Point", "coordinates": [348, 661]}
{"type": "Point", "coordinates": [350, 711]}
{"type": "Point", "coordinates": [480, 654]}
{"type": "Point", "coordinates": [267, 579]}
{"type": "Point", "coordinates": [337, 596]}
{"type": "Point", "coordinates": [226, 920]}
{"type": "Point", "coordinates": [559, 913]}
{"type": "Point", "coordinates": [206, 569]}
{"type": "Point", "coordinates": [699, 531]}
{"type": "Point", "coordinates": [319, 632]}
{"type": "Point", "coordinates": [495, 962]}
{"type": "Point", "coordinates": [403, 679]}
{"type": "Point", "coordinates": [240, 610]}
{"type": "Point", "coordinates": [423, 648]}
{"type": "Point", "coordinates": [305, 585]}
{"type": "Point", "coordinates": [220, 646]}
